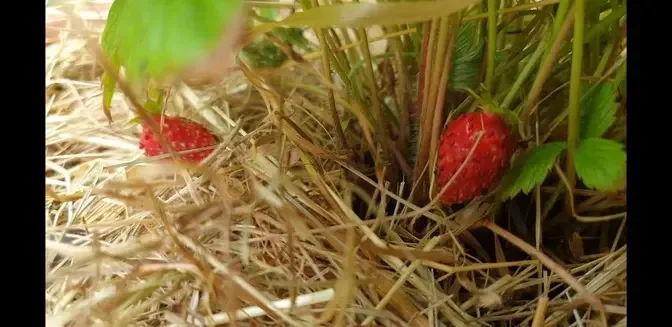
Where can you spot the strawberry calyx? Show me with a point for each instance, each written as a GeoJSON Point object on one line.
{"type": "Point", "coordinates": [156, 98]}
{"type": "Point", "coordinates": [486, 103]}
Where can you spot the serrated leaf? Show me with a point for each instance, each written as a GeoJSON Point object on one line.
{"type": "Point", "coordinates": [466, 67]}
{"type": "Point", "coordinates": [153, 38]}
{"type": "Point", "coordinates": [366, 14]}
{"type": "Point", "coordinates": [598, 110]}
{"type": "Point", "coordinates": [530, 169]}
{"type": "Point", "coordinates": [599, 162]}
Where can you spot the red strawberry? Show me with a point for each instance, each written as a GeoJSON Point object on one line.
{"type": "Point", "coordinates": [183, 134]}
{"type": "Point", "coordinates": [485, 167]}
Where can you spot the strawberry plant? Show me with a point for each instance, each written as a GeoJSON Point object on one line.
{"type": "Point", "coordinates": [437, 120]}
{"type": "Point", "coordinates": [599, 162]}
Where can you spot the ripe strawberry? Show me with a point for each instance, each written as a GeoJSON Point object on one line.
{"type": "Point", "coordinates": [485, 167]}
{"type": "Point", "coordinates": [183, 134]}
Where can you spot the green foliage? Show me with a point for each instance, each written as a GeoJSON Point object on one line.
{"type": "Point", "coordinates": [465, 72]}
{"type": "Point", "coordinates": [268, 13]}
{"type": "Point", "coordinates": [530, 169]}
{"type": "Point", "coordinates": [110, 34]}
{"type": "Point", "coordinates": [599, 162]}
{"type": "Point", "coordinates": [293, 36]}
{"type": "Point", "coordinates": [263, 54]}
{"type": "Point", "coordinates": [598, 109]}
{"type": "Point", "coordinates": [153, 38]}
{"type": "Point", "coordinates": [155, 100]}
{"type": "Point", "coordinates": [486, 101]}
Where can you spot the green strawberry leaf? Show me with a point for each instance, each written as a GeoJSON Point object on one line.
{"type": "Point", "coordinates": [108, 41]}
{"type": "Point", "coordinates": [465, 72]}
{"type": "Point", "coordinates": [530, 169]}
{"type": "Point", "coordinates": [599, 163]}
{"type": "Point", "coordinates": [598, 110]}
{"type": "Point", "coordinates": [154, 38]}
{"type": "Point", "coordinates": [111, 33]}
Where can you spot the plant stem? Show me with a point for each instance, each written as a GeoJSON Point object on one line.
{"type": "Point", "coordinates": [437, 66]}
{"type": "Point", "coordinates": [547, 65]}
{"type": "Point", "coordinates": [575, 90]}
{"type": "Point", "coordinates": [593, 34]}
{"type": "Point", "coordinates": [525, 73]}
{"type": "Point", "coordinates": [620, 75]}
{"type": "Point", "coordinates": [605, 59]}
{"type": "Point", "coordinates": [501, 42]}
{"type": "Point", "coordinates": [326, 66]}
{"type": "Point", "coordinates": [453, 27]}
{"type": "Point", "coordinates": [422, 68]}
{"type": "Point", "coordinates": [617, 44]}
{"type": "Point", "coordinates": [492, 44]}
{"type": "Point", "coordinates": [563, 8]}
{"type": "Point", "coordinates": [512, 10]}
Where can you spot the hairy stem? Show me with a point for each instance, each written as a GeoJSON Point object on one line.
{"type": "Point", "coordinates": [575, 90]}
{"type": "Point", "coordinates": [547, 65]}
{"type": "Point", "coordinates": [492, 44]}
{"type": "Point", "coordinates": [527, 70]}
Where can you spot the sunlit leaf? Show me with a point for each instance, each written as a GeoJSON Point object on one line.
{"type": "Point", "coordinates": [599, 163]}
{"type": "Point", "coordinates": [153, 38]}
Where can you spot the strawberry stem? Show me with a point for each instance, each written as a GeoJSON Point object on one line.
{"type": "Point", "coordinates": [575, 90]}
{"type": "Point", "coordinates": [550, 59]}
{"type": "Point", "coordinates": [492, 44]}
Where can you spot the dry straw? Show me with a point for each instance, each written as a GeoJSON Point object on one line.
{"type": "Point", "coordinates": [265, 232]}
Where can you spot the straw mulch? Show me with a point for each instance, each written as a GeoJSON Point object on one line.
{"type": "Point", "coordinates": [271, 221]}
